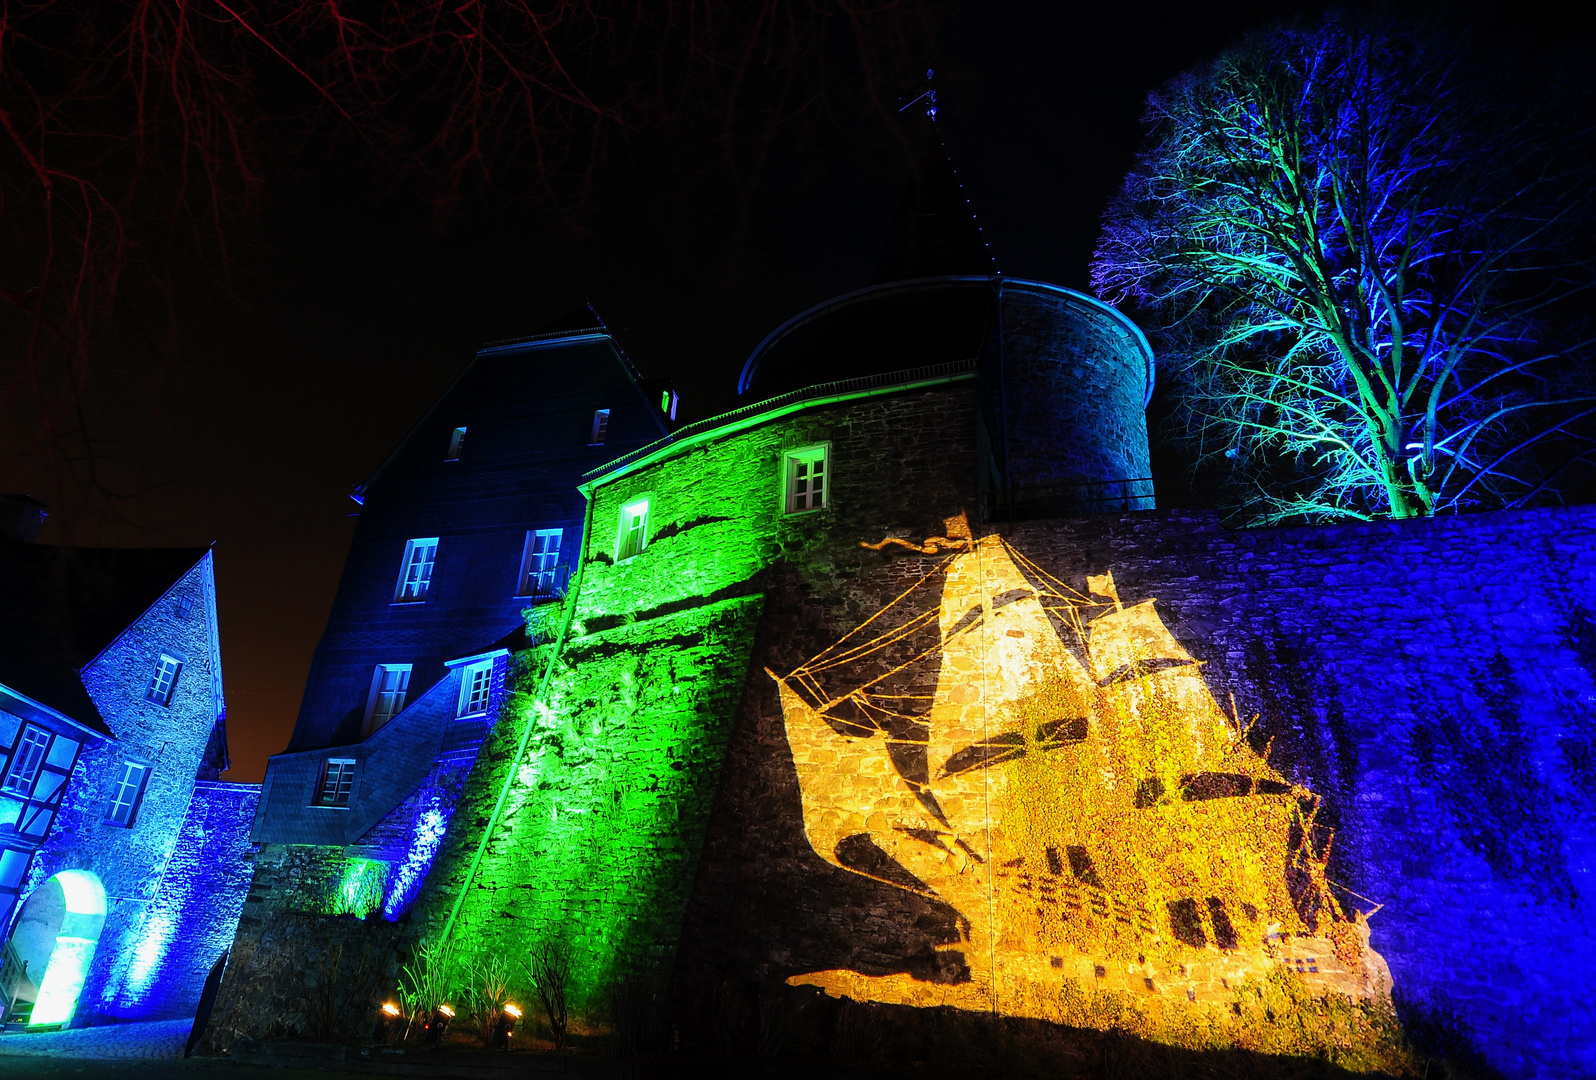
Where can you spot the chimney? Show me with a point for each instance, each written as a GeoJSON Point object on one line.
{"type": "Point", "coordinates": [21, 516]}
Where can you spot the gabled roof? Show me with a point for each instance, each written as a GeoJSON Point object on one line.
{"type": "Point", "coordinates": [581, 324]}
{"type": "Point", "coordinates": [60, 607]}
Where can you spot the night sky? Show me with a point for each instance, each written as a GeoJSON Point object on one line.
{"type": "Point", "coordinates": [355, 309]}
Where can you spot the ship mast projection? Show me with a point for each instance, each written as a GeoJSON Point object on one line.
{"type": "Point", "coordinates": [1052, 765]}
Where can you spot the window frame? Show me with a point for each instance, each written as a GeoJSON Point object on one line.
{"type": "Point", "coordinates": [411, 546]}
{"type": "Point", "coordinates": [371, 726]}
{"type": "Point", "coordinates": [7, 782]}
{"type": "Point", "coordinates": [346, 768]}
{"type": "Point", "coordinates": [599, 433]}
{"type": "Point", "coordinates": [790, 459]}
{"type": "Point", "coordinates": [623, 528]}
{"type": "Point", "coordinates": [457, 439]}
{"type": "Point", "coordinates": [136, 802]}
{"type": "Point", "coordinates": [153, 691]}
{"type": "Point", "coordinates": [464, 707]}
{"type": "Point", "coordinates": [524, 584]}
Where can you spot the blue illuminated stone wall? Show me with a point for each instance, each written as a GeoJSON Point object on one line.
{"type": "Point", "coordinates": [132, 862]}
{"type": "Point", "coordinates": [528, 413]}
{"type": "Point", "coordinates": [1434, 680]}
{"type": "Point", "coordinates": [195, 910]}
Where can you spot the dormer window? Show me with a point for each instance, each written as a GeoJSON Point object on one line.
{"type": "Point", "coordinates": [601, 428]}
{"type": "Point", "coordinates": [337, 781]}
{"type": "Point", "coordinates": [476, 685]}
{"type": "Point", "coordinates": [456, 444]}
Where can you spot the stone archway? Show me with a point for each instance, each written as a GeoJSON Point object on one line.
{"type": "Point", "coordinates": [53, 944]}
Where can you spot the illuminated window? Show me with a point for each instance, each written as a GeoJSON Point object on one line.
{"type": "Point", "coordinates": [415, 572]}
{"type": "Point", "coordinates": [475, 683]}
{"type": "Point", "coordinates": [804, 472]}
{"type": "Point", "coordinates": [389, 684]}
{"type": "Point", "coordinates": [601, 427]}
{"type": "Point", "coordinates": [540, 562]}
{"type": "Point", "coordinates": [128, 793]}
{"type": "Point", "coordinates": [25, 762]}
{"type": "Point", "coordinates": [456, 444]}
{"type": "Point", "coordinates": [337, 778]}
{"type": "Point", "coordinates": [164, 680]}
{"type": "Point", "coordinates": [634, 530]}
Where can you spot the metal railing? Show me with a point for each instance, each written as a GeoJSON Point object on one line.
{"type": "Point", "coordinates": [546, 585]}
{"type": "Point", "coordinates": [780, 401]}
{"type": "Point", "coordinates": [1072, 500]}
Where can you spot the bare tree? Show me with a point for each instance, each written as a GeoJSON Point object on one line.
{"type": "Point", "coordinates": [1364, 252]}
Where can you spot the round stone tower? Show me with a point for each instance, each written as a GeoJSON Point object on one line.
{"type": "Point", "coordinates": [1064, 380]}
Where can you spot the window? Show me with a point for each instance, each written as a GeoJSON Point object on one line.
{"type": "Point", "coordinates": [389, 684]}
{"type": "Point", "coordinates": [128, 793]}
{"type": "Point", "coordinates": [540, 562]}
{"type": "Point", "coordinates": [25, 762]}
{"type": "Point", "coordinates": [415, 573]}
{"type": "Point", "coordinates": [475, 683]}
{"type": "Point", "coordinates": [337, 778]}
{"type": "Point", "coordinates": [601, 427]}
{"type": "Point", "coordinates": [164, 680]}
{"type": "Point", "coordinates": [805, 478]}
{"type": "Point", "coordinates": [634, 530]}
{"type": "Point", "coordinates": [185, 604]}
{"type": "Point", "coordinates": [456, 444]}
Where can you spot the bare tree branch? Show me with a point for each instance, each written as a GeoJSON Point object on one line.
{"type": "Point", "coordinates": [1365, 250]}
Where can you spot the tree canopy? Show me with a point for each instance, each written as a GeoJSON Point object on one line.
{"type": "Point", "coordinates": [1362, 248]}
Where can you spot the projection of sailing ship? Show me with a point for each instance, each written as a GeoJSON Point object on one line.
{"type": "Point", "coordinates": [1053, 766]}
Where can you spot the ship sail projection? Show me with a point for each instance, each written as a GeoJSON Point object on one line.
{"type": "Point", "coordinates": [1052, 765]}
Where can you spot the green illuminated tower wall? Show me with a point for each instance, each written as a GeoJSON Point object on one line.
{"type": "Point", "coordinates": [597, 841]}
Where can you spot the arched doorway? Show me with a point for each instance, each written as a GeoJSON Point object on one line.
{"type": "Point", "coordinates": [53, 944]}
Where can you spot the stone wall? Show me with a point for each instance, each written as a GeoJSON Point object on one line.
{"type": "Point", "coordinates": [1427, 687]}
{"type": "Point", "coordinates": [1074, 382]}
{"type": "Point", "coordinates": [172, 740]}
{"type": "Point", "coordinates": [1432, 680]}
{"type": "Point", "coordinates": [194, 914]}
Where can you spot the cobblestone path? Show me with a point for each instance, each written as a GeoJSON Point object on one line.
{"type": "Point", "coordinates": [157, 1039]}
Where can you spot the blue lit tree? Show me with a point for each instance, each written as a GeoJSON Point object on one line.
{"type": "Point", "coordinates": [1365, 258]}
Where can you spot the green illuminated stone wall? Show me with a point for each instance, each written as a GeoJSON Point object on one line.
{"type": "Point", "coordinates": [600, 836]}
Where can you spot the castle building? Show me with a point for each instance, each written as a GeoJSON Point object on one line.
{"type": "Point", "coordinates": [894, 685]}
{"type": "Point", "coordinates": [466, 530]}
{"type": "Point", "coordinates": [123, 856]}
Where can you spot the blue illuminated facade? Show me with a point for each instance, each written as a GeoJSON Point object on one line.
{"type": "Point", "coordinates": [469, 525]}
{"type": "Point", "coordinates": [123, 857]}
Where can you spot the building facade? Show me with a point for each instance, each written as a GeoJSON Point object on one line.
{"type": "Point", "coordinates": [123, 857]}
{"type": "Point", "coordinates": [894, 686]}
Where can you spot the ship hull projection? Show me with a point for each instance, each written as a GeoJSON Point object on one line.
{"type": "Point", "coordinates": [1052, 765]}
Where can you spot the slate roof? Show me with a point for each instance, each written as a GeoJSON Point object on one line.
{"type": "Point", "coordinates": [61, 606]}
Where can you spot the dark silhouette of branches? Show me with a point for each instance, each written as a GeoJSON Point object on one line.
{"type": "Point", "coordinates": [1364, 247]}
{"type": "Point", "coordinates": [137, 134]}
